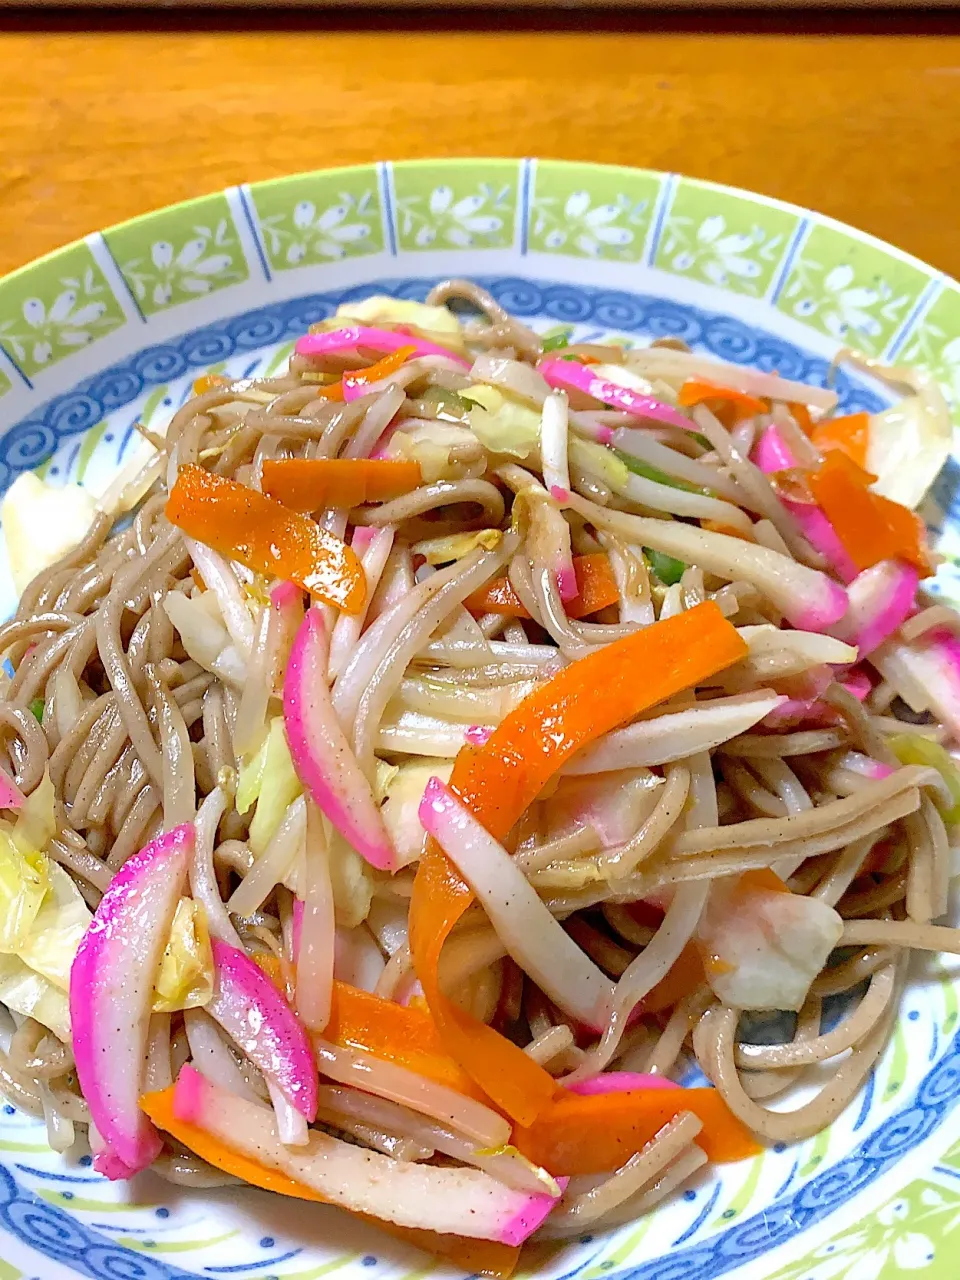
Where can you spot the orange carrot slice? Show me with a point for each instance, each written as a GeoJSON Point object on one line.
{"type": "Point", "coordinates": [266, 536]}
{"type": "Point", "coordinates": [500, 779]}
{"type": "Point", "coordinates": [596, 588]}
{"type": "Point", "coordinates": [598, 1132]}
{"type": "Point", "coordinates": [400, 1033]}
{"type": "Point", "coordinates": [209, 382]}
{"type": "Point", "coordinates": [850, 434]}
{"type": "Point", "coordinates": [871, 527]}
{"type": "Point", "coordinates": [358, 378]}
{"type": "Point", "coordinates": [307, 484]}
{"type": "Point", "coordinates": [801, 416]}
{"type": "Point", "coordinates": [717, 526]}
{"type": "Point", "coordinates": [728, 405]}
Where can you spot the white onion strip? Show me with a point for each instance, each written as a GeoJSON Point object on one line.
{"type": "Point", "coordinates": [315, 955]}
{"type": "Point", "coordinates": [507, 1166]}
{"type": "Point", "coordinates": [670, 736]}
{"type": "Point", "coordinates": [528, 931]}
{"type": "Point", "coordinates": [275, 863]}
{"type": "Point", "coordinates": [554, 435]}
{"type": "Point", "coordinates": [808, 598]}
{"type": "Point", "coordinates": [219, 578]}
{"type": "Point", "coordinates": [203, 879]}
{"type": "Point", "coordinates": [657, 958]}
{"type": "Point", "coordinates": [387, 1080]}
{"type": "Point", "coordinates": [347, 629]}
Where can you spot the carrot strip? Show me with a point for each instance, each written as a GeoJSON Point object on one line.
{"type": "Point", "coordinates": [266, 536]}
{"type": "Point", "coordinates": [209, 382]}
{"type": "Point", "coordinates": [400, 1033]}
{"type": "Point", "coordinates": [717, 526]}
{"type": "Point", "coordinates": [596, 588]}
{"type": "Point", "coordinates": [850, 434]}
{"type": "Point", "coordinates": [871, 527]}
{"type": "Point", "coordinates": [354, 378]}
{"type": "Point", "coordinates": [594, 1133]}
{"type": "Point", "coordinates": [729, 406]}
{"type": "Point", "coordinates": [159, 1107]}
{"type": "Point", "coordinates": [801, 416]}
{"type": "Point", "coordinates": [500, 779]}
{"type": "Point", "coordinates": [483, 1256]}
{"type": "Point", "coordinates": [909, 531]}
{"type": "Point", "coordinates": [763, 878]}
{"type": "Point", "coordinates": [330, 391]}
{"type": "Point", "coordinates": [683, 977]}
{"type": "Point", "coordinates": [404, 1034]}
{"type": "Point", "coordinates": [307, 484]}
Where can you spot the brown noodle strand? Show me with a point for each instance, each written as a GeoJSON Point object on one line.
{"type": "Point", "coordinates": [134, 734]}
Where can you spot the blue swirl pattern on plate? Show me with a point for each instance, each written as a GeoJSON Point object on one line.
{"type": "Point", "coordinates": [32, 440]}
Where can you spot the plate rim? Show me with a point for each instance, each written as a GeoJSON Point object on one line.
{"type": "Point", "coordinates": [709, 184]}
{"type": "Point", "coordinates": [526, 167]}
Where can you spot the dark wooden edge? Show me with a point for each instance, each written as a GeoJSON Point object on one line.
{"type": "Point", "coordinates": [789, 17]}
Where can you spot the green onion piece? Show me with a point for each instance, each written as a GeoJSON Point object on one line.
{"type": "Point", "coordinates": [654, 473]}
{"type": "Point", "coordinates": [702, 440]}
{"type": "Point", "coordinates": [666, 568]}
{"type": "Point", "coordinates": [36, 706]}
{"type": "Point", "coordinates": [555, 343]}
{"type": "Point", "coordinates": [913, 748]}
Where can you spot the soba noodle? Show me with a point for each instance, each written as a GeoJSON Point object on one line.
{"type": "Point", "coordinates": [160, 667]}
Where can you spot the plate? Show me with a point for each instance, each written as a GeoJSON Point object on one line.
{"type": "Point", "coordinates": [112, 330]}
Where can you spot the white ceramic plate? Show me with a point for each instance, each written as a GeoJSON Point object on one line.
{"type": "Point", "coordinates": [113, 330]}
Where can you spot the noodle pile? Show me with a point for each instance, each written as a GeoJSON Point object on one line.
{"type": "Point", "coordinates": [158, 677]}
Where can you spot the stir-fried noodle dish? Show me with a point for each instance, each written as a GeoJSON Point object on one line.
{"type": "Point", "coordinates": [422, 760]}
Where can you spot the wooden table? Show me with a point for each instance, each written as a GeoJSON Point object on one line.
{"type": "Point", "coordinates": [99, 125]}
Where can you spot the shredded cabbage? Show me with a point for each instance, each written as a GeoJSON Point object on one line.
{"type": "Point", "coordinates": [61, 922]}
{"type": "Point", "coordinates": [429, 321]}
{"type": "Point", "coordinates": [200, 625]}
{"type": "Point", "coordinates": [403, 795]}
{"type": "Point", "coordinates": [613, 804]}
{"type": "Point", "coordinates": [603, 462]}
{"type": "Point", "coordinates": [501, 423]}
{"type": "Point", "coordinates": [350, 880]}
{"type": "Point", "coordinates": [909, 442]}
{"type": "Point", "coordinates": [25, 992]}
{"type": "Point", "coordinates": [41, 523]}
{"type": "Point", "coordinates": [250, 778]}
{"type": "Point", "coordinates": [445, 405]}
{"type": "Point", "coordinates": [42, 917]}
{"type": "Point", "coordinates": [185, 978]}
{"type": "Point", "coordinates": [430, 446]}
{"type": "Point", "coordinates": [385, 774]}
{"type": "Point", "coordinates": [24, 880]}
{"type": "Point", "coordinates": [456, 545]}
{"type": "Point", "coordinates": [36, 822]}
{"type": "Point", "coordinates": [276, 788]}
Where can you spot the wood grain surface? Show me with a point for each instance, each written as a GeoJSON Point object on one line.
{"type": "Point", "coordinates": [100, 125]}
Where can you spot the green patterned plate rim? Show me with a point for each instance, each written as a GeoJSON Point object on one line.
{"type": "Point", "coordinates": [112, 330]}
